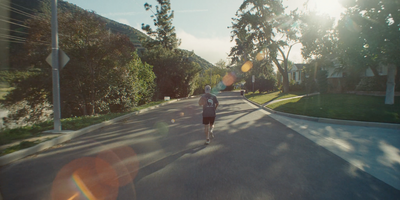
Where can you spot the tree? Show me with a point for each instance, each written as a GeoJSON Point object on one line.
{"type": "Point", "coordinates": [103, 71]}
{"type": "Point", "coordinates": [174, 68]}
{"type": "Point", "coordinates": [375, 25]}
{"type": "Point", "coordinates": [221, 64]}
{"type": "Point", "coordinates": [318, 36]}
{"type": "Point", "coordinates": [164, 35]}
{"type": "Point", "coordinates": [265, 78]}
{"type": "Point", "coordinates": [262, 27]}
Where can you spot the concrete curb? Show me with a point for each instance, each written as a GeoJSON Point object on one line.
{"type": "Point", "coordinates": [6, 159]}
{"type": "Point", "coordinates": [327, 120]}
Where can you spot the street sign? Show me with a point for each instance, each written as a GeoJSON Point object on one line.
{"type": "Point", "coordinates": [62, 57]}
{"type": "Point", "coordinates": [253, 79]}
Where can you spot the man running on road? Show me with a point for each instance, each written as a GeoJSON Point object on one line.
{"type": "Point", "coordinates": [210, 104]}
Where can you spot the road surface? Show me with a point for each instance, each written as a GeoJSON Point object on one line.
{"type": "Point", "coordinates": [161, 154]}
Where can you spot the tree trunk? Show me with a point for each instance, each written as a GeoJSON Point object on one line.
{"type": "Point", "coordinates": [285, 81]}
{"type": "Point", "coordinates": [375, 71]}
{"type": "Point", "coordinates": [285, 84]}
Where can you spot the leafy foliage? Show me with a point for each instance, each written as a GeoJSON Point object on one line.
{"type": "Point", "coordinates": [174, 71]}
{"type": "Point", "coordinates": [265, 78]}
{"type": "Point", "coordinates": [164, 35]}
{"type": "Point", "coordinates": [103, 75]}
{"type": "Point", "coordinates": [174, 68]}
{"type": "Point", "coordinates": [256, 30]}
{"type": "Point", "coordinates": [366, 36]}
{"type": "Point", "coordinates": [371, 84]}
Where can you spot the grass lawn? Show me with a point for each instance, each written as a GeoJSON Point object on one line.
{"type": "Point", "coordinates": [342, 106]}
{"type": "Point", "coordinates": [9, 135]}
{"type": "Point", "coordinates": [267, 97]}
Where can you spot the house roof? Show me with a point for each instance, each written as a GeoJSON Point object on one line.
{"type": "Point", "coordinates": [298, 67]}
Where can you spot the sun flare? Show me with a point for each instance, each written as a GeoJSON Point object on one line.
{"type": "Point", "coordinates": [329, 7]}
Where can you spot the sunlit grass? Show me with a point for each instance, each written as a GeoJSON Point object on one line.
{"type": "Point", "coordinates": [342, 106]}
{"type": "Point", "coordinates": [262, 98]}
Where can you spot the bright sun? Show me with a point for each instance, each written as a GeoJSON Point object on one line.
{"type": "Point", "coordinates": [329, 7]}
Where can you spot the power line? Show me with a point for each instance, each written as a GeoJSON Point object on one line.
{"type": "Point", "coordinates": [14, 23]}
{"type": "Point", "coordinates": [14, 31]}
{"type": "Point", "coordinates": [22, 7]}
{"type": "Point", "coordinates": [8, 18]}
{"type": "Point", "coordinates": [12, 37]}
{"type": "Point", "coordinates": [21, 42]}
{"type": "Point", "coordinates": [11, 41]}
{"type": "Point", "coordinates": [16, 10]}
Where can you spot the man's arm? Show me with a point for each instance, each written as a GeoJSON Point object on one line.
{"type": "Point", "coordinates": [201, 101]}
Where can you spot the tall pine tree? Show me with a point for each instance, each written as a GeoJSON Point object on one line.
{"type": "Point", "coordinates": [174, 68]}
{"type": "Point", "coordinates": [164, 34]}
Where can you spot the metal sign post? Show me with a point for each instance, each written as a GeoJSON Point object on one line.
{"type": "Point", "coordinates": [55, 67]}
{"type": "Point", "coordinates": [252, 80]}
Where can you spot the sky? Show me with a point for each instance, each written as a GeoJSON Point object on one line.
{"type": "Point", "coordinates": [202, 25]}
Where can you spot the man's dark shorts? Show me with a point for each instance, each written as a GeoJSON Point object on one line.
{"type": "Point", "coordinates": [208, 120]}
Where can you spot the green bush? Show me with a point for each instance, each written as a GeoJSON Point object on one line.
{"type": "Point", "coordinates": [322, 81]}
{"type": "Point", "coordinates": [309, 85]}
{"type": "Point", "coordinates": [293, 86]}
{"type": "Point", "coordinates": [372, 84]}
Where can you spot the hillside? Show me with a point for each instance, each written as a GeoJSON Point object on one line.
{"type": "Point", "coordinates": [30, 7]}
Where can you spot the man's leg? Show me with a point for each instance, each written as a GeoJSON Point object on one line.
{"type": "Point", "coordinates": [212, 127]}
{"type": "Point", "coordinates": [211, 130]}
{"type": "Point", "coordinates": [206, 131]}
{"type": "Point", "coordinates": [207, 134]}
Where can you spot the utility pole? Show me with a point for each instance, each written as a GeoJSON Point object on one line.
{"type": "Point", "coordinates": [253, 80]}
{"type": "Point", "coordinates": [55, 67]}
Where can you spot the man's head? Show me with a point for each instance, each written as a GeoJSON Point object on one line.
{"type": "Point", "coordinates": [207, 89]}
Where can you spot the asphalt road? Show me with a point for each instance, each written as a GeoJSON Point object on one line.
{"type": "Point", "coordinates": [161, 154]}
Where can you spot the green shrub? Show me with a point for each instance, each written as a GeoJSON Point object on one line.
{"type": "Point", "coordinates": [372, 84]}
{"type": "Point", "coordinates": [322, 81]}
{"type": "Point", "coordinates": [293, 86]}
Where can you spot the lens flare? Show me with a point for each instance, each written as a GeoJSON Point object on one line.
{"type": "Point", "coordinates": [352, 26]}
{"type": "Point", "coordinates": [182, 114]}
{"type": "Point", "coordinates": [215, 91]}
{"type": "Point", "coordinates": [260, 56]}
{"type": "Point", "coordinates": [221, 86]}
{"type": "Point", "coordinates": [78, 179]}
{"type": "Point", "coordinates": [247, 66]}
{"type": "Point", "coordinates": [123, 160]}
{"type": "Point", "coordinates": [229, 79]}
{"type": "Point", "coordinates": [162, 128]}
{"type": "Point", "coordinates": [172, 120]}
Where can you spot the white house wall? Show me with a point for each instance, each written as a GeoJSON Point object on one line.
{"type": "Point", "coordinates": [333, 74]}
{"type": "Point", "coordinates": [369, 73]}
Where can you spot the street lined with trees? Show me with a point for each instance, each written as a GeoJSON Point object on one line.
{"type": "Point", "coordinates": [365, 37]}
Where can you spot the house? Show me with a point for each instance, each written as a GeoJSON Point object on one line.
{"type": "Point", "coordinates": [335, 76]}
{"type": "Point", "coordinates": [297, 73]}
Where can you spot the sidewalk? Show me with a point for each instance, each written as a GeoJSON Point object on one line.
{"type": "Point", "coordinates": [375, 150]}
